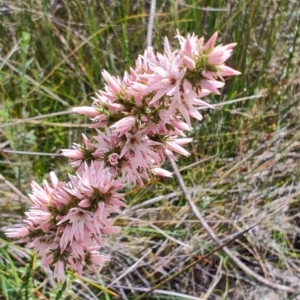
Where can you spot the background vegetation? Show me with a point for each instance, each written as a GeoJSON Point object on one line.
{"type": "Point", "coordinates": [244, 166]}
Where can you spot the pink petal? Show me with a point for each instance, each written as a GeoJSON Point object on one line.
{"type": "Point", "coordinates": [86, 110]}
{"type": "Point", "coordinates": [161, 172]}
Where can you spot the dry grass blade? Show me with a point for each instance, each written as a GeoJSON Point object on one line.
{"type": "Point", "coordinates": [13, 188]}
{"type": "Point", "coordinates": [206, 256]}
{"type": "Point", "coordinates": [35, 83]}
{"type": "Point", "coordinates": [29, 153]}
{"type": "Point", "coordinates": [27, 120]}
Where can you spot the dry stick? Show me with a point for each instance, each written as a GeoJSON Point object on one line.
{"type": "Point", "coordinates": [29, 152]}
{"type": "Point", "coordinates": [235, 101]}
{"type": "Point", "coordinates": [20, 121]}
{"type": "Point", "coordinates": [217, 240]}
{"type": "Point", "coordinates": [161, 292]}
{"type": "Point", "coordinates": [151, 23]}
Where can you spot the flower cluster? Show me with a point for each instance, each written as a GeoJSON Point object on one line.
{"type": "Point", "coordinates": [145, 114]}
{"type": "Point", "coordinates": [67, 220]}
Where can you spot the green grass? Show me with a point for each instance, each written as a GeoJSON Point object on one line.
{"type": "Point", "coordinates": [51, 60]}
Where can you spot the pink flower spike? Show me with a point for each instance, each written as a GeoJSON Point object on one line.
{"type": "Point", "coordinates": [86, 110]}
{"type": "Point", "coordinates": [146, 113]}
{"type": "Point", "coordinates": [161, 172]}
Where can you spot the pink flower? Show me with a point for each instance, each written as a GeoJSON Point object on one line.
{"type": "Point", "coordinates": [76, 223]}
{"type": "Point", "coordinates": [140, 145]}
{"type": "Point", "coordinates": [100, 121]}
{"type": "Point", "coordinates": [124, 125]}
{"type": "Point", "coordinates": [185, 106]}
{"type": "Point", "coordinates": [94, 259]}
{"type": "Point", "coordinates": [17, 232]}
{"type": "Point", "coordinates": [107, 101]}
{"type": "Point", "coordinates": [220, 54]}
{"type": "Point", "coordinates": [106, 142]}
{"type": "Point", "coordinates": [161, 172]}
{"type": "Point", "coordinates": [80, 153]}
{"type": "Point", "coordinates": [59, 271]}
{"type": "Point", "coordinates": [227, 71]}
{"type": "Point", "coordinates": [211, 85]}
{"type": "Point", "coordinates": [189, 62]}
{"type": "Point", "coordinates": [86, 110]}
{"type": "Point", "coordinates": [113, 84]}
{"type": "Point", "coordinates": [73, 153]}
{"type": "Point", "coordinates": [113, 159]}
{"type": "Point", "coordinates": [209, 46]}
{"type": "Point", "coordinates": [172, 145]}
{"type": "Point", "coordinates": [165, 80]}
